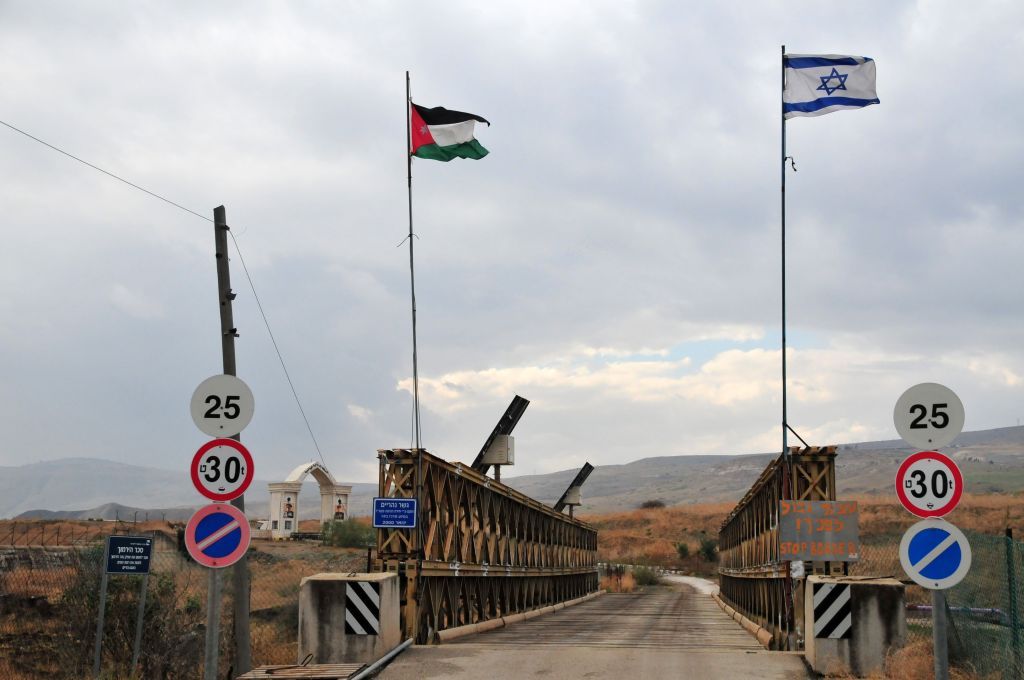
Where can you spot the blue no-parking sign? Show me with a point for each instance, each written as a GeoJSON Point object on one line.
{"type": "Point", "coordinates": [935, 554]}
{"type": "Point", "coordinates": [217, 535]}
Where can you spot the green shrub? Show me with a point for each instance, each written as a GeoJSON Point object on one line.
{"type": "Point", "coordinates": [646, 576]}
{"type": "Point", "coordinates": [652, 504]}
{"type": "Point", "coordinates": [683, 550]}
{"type": "Point", "coordinates": [708, 549]}
{"type": "Point", "coordinates": [349, 533]}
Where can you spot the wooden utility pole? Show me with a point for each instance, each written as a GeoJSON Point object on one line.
{"type": "Point", "coordinates": [228, 333]}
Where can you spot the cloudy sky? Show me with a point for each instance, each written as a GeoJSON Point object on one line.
{"type": "Point", "coordinates": [615, 259]}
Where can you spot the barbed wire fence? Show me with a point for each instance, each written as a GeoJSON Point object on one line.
{"type": "Point", "coordinates": [49, 603]}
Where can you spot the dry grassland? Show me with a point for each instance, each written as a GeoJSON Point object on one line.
{"type": "Point", "coordinates": [650, 536]}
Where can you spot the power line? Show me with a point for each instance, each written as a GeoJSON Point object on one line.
{"type": "Point", "coordinates": [280, 358]}
{"type": "Point", "coordinates": [259, 304]}
{"type": "Point", "coordinates": [105, 172]}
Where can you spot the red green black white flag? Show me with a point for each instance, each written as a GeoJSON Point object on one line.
{"type": "Point", "coordinates": [441, 135]}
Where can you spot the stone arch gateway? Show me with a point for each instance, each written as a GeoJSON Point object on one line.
{"type": "Point", "coordinates": [284, 499]}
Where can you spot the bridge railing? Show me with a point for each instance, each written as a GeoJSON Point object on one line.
{"type": "Point", "coordinates": [481, 550]}
{"type": "Point", "coordinates": [754, 579]}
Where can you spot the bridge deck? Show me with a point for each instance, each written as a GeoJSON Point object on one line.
{"type": "Point", "coordinates": [658, 633]}
{"type": "Point", "coordinates": [659, 619]}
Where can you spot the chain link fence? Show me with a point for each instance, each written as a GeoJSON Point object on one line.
{"type": "Point", "coordinates": [49, 602]}
{"type": "Point", "coordinates": [984, 610]}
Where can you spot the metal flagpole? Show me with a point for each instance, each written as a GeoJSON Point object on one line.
{"type": "Point", "coordinates": [412, 270]}
{"type": "Point", "coordinates": [789, 600]}
{"type": "Point", "coordinates": [785, 421]}
{"type": "Point", "coordinates": [415, 365]}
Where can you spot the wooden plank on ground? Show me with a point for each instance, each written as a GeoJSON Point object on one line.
{"type": "Point", "coordinates": [328, 671]}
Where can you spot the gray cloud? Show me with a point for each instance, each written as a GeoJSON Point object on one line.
{"type": "Point", "coordinates": [630, 203]}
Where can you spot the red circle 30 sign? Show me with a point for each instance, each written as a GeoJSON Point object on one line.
{"type": "Point", "coordinates": [222, 469]}
{"type": "Point", "coordinates": [929, 484]}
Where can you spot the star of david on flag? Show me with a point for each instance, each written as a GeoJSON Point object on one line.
{"type": "Point", "coordinates": [840, 79]}
{"type": "Point", "coordinates": [820, 84]}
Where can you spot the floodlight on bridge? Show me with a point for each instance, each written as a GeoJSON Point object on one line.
{"type": "Point", "coordinates": [573, 495]}
{"type": "Point", "coordinates": [499, 449]}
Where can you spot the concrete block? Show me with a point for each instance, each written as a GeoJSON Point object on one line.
{"type": "Point", "coordinates": [877, 624]}
{"type": "Point", "coordinates": [323, 599]}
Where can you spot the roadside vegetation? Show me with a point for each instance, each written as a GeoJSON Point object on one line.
{"type": "Point", "coordinates": [349, 533]}
{"type": "Point", "coordinates": [685, 537]}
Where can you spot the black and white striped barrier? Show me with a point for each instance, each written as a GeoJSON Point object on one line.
{"type": "Point", "coordinates": [362, 608]}
{"type": "Point", "coordinates": [833, 617]}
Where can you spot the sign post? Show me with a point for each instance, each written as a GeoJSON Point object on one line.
{"type": "Point", "coordinates": [217, 535]}
{"type": "Point", "coordinates": [123, 555]}
{"type": "Point", "coordinates": [934, 553]}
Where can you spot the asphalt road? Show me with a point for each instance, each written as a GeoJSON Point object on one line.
{"type": "Point", "coordinates": [663, 632]}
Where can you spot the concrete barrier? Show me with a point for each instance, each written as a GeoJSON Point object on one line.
{"type": "Point", "coordinates": [348, 618]}
{"type": "Point", "coordinates": [852, 623]}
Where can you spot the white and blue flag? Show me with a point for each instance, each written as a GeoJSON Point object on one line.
{"type": "Point", "coordinates": [817, 84]}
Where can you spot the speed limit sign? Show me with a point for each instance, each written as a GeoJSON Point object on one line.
{"type": "Point", "coordinates": [222, 469]}
{"type": "Point", "coordinates": [222, 406]}
{"type": "Point", "coordinates": [929, 484]}
{"type": "Point", "coordinates": [928, 416]}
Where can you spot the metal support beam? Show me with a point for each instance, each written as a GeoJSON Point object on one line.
{"type": "Point", "coordinates": [485, 549]}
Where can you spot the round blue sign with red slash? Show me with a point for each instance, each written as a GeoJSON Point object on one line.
{"type": "Point", "coordinates": [217, 535]}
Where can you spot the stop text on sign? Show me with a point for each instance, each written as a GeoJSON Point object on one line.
{"type": "Point", "coordinates": [819, 530]}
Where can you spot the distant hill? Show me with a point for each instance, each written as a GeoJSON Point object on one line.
{"type": "Point", "coordinates": [82, 488]}
{"type": "Point", "coordinates": [992, 462]}
{"type": "Point", "coordinates": [109, 511]}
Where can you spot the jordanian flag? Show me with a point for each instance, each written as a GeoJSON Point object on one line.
{"type": "Point", "coordinates": [441, 135]}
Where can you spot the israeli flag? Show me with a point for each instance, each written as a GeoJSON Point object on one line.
{"type": "Point", "coordinates": [817, 84]}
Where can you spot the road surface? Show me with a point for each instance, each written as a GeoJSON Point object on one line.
{"type": "Point", "coordinates": [663, 632]}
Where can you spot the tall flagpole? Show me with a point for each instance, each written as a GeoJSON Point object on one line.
{"type": "Point", "coordinates": [782, 114]}
{"type": "Point", "coordinates": [412, 269]}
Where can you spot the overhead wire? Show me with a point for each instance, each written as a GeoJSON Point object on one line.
{"type": "Point", "coordinates": [288, 377]}
{"type": "Point", "coordinates": [245, 269]}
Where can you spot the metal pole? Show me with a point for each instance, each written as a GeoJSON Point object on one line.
{"type": "Point", "coordinates": [240, 571]}
{"type": "Point", "coordinates": [99, 618]}
{"type": "Point", "coordinates": [415, 359]}
{"type": "Point", "coordinates": [371, 670]}
{"type": "Point", "coordinates": [789, 585]}
{"type": "Point", "coordinates": [212, 625]}
{"type": "Point", "coordinates": [412, 270]}
{"type": "Point", "coordinates": [1011, 584]}
{"type": "Point", "coordinates": [785, 420]}
{"type": "Point", "coordinates": [138, 625]}
{"type": "Point", "coordinates": [939, 635]}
